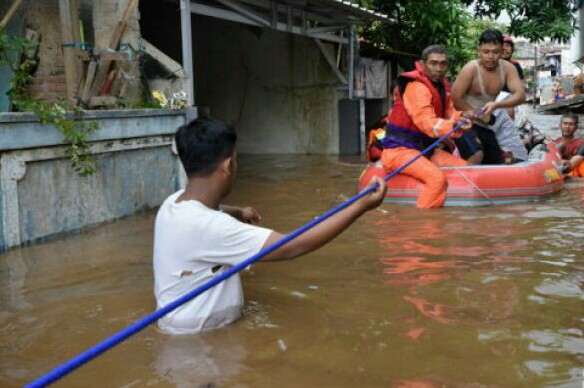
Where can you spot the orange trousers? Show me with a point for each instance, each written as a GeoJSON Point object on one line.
{"type": "Point", "coordinates": [578, 171]}
{"type": "Point", "coordinates": [433, 194]}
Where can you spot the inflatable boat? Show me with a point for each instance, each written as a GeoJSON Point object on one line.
{"type": "Point", "coordinates": [537, 178]}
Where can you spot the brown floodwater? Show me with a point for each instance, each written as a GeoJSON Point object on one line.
{"type": "Point", "coordinates": [455, 297]}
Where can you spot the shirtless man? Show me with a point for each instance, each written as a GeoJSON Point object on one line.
{"type": "Point", "coordinates": [476, 88]}
{"type": "Point", "coordinates": [571, 147]}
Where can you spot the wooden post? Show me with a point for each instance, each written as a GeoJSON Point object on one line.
{"type": "Point", "coordinates": [103, 71]}
{"type": "Point", "coordinates": [10, 13]}
{"type": "Point", "coordinates": [90, 75]}
{"type": "Point", "coordinates": [76, 39]}
{"type": "Point", "coordinates": [351, 62]}
{"type": "Point", "coordinates": [535, 76]}
{"type": "Point", "coordinates": [69, 52]}
{"type": "Point", "coordinates": [187, 49]}
{"type": "Point", "coordinates": [119, 31]}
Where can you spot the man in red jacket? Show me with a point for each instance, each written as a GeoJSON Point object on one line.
{"type": "Point", "coordinates": [422, 112]}
{"type": "Point", "coordinates": [570, 146]}
{"type": "Point", "coordinates": [508, 49]}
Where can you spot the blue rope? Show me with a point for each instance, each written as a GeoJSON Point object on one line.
{"type": "Point", "coordinates": [120, 336]}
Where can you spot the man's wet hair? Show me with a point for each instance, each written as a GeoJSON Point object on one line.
{"type": "Point", "coordinates": [204, 143]}
{"type": "Point", "coordinates": [491, 35]}
{"type": "Point", "coordinates": [433, 49]}
{"type": "Point", "coordinates": [570, 116]}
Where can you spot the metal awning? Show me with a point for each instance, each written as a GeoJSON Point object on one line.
{"type": "Point", "coordinates": [332, 21]}
{"type": "Point", "coordinates": [333, 9]}
{"type": "Point", "coordinates": [322, 19]}
{"type": "Point", "coordinates": [345, 6]}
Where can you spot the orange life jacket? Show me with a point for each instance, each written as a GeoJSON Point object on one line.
{"type": "Point", "coordinates": [374, 147]}
{"type": "Point", "coordinates": [401, 130]}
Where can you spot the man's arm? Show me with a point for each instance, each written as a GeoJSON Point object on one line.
{"type": "Point", "coordinates": [327, 230]}
{"type": "Point", "coordinates": [461, 88]}
{"type": "Point", "coordinates": [454, 114]}
{"type": "Point", "coordinates": [418, 103]}
{"type": "Point", "coordinates": [244, 214]}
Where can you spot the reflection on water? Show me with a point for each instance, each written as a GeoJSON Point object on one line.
{"type": "Point", "coordinates": [457, 297]}
{"type": "Point", "coordinates": [203, 360]}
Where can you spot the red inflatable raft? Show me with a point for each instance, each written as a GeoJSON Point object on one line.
{"type": "Point", "coordinates": [532, 180]}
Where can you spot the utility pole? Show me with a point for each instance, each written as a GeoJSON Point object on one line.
{"type": "Point", "coordinates": [187, 56]}
{"type": "Point", "coordinates": [535, 76]}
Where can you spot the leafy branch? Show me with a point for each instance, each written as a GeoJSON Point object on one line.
{"type": "Point", "coordinates": [75, 130]}
{"type": "Point", "coordinates": [415, 24]}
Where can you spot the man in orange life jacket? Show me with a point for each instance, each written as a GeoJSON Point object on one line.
{"type": "Point", "coordinates": [422, 112]}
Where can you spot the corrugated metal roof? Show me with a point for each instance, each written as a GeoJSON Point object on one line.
{"type": "Point", "coordinates": [337, 9]}
{"type": "Point", "coordinates": [322, 19]}
{"type": "Point", "coordinates": [353, 9]}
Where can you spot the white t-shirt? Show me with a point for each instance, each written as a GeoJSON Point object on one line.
{"type": "Point", "coordinates": [192, 244]}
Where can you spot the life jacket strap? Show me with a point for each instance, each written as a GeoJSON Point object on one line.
{"type": "Point", "coordinates": [397, 136]}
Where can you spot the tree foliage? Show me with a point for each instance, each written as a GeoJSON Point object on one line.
{"type": "Point", "coordinates": [416, 24]}
{"type": "Point", "coordinates": [534, 19]}
{"type": "Point", "coordinates": [75, 129]}
{"type": "Point", "coordinates": [466, 50]}
{"type": "Point", "coordinates": [458, 23]}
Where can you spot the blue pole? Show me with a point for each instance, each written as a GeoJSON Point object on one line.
{"type": "Point", "coordinates": [120, 336]}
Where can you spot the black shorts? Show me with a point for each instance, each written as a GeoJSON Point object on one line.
{"type": "Point", "coordinates": [468, 144]}
{"type": "Point", "coordinates": [477, 139]}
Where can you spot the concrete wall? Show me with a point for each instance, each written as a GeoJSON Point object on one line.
{"type": "Point", "coordinates": [576, 50]}
{"type": "Point", "coordinates": [43, 17]}
{"type": "Point", "coordinates": [276, 88]}
{"type": "Point", "coordinates": [40, 195]}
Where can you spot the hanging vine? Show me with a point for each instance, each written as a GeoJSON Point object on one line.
{"type": "Point", "coordinates": [67, 118]}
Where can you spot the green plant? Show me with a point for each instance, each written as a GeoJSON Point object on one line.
{"type": "Point", "coordinates": [535, 20]}
{"type": "Point", "coordinates": [10, 44]}
{"type": "Point", "coordinates": [74, 128]}
{"type": "Point", "coordinates": [75, 132]}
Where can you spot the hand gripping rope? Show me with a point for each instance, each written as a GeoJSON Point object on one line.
{"type": "Point", "coordinates": [120, 336]}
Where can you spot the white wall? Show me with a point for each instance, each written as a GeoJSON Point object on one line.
{"type": "Point", "coordinates": [276, 88]}
{"type": "Point", "coordinates": [576, 48]}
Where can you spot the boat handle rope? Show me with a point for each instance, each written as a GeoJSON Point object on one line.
{"type": "Point", "coordinates": [474, 185]}
{"type": "Point", "coordinates": [139, 325]}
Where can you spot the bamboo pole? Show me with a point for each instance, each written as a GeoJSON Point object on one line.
{"type": "Point", "coordinates": [69, 52]}
{"type": "Point", "coordinates": [10, 13]}
{"type": "Point", "coordinates": [187, 51]}
{"type": "Point", "coordinates": [74, 9]}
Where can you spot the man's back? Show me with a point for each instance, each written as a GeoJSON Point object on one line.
{"type": "Point", "coordinates": [192, 244]}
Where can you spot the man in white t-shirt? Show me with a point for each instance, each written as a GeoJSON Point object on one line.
{"type": "Point", "coordinates": [197, 238]}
